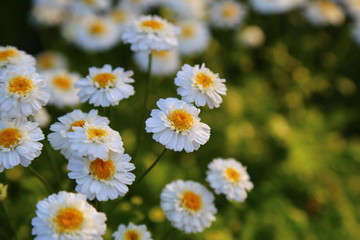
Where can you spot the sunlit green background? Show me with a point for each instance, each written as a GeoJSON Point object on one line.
{"type": "Point", "coordinates": [291, 115]}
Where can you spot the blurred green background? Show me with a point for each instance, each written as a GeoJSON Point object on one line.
{"type": "Point", "coordinates": [291, 115]}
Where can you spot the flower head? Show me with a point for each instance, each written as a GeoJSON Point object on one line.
{"type": "Point", "coordinates": [132, 232]}
{"type": "Point", "coordinates": [194, 37]}
{"type": "Point", "coordinates": [227, 14]}
{"type": "Point", "coordinates": [12, 56]}
{"type": "Point", "coordinates": [324, 12]}
{"type": "Point", "coordinates": [50, 60]}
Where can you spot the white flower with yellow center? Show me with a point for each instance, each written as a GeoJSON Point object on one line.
{"type": "Point", "coordinates": [95, 140]}
{"type": "Point", "coordinates": [59, 138]}
{"type": "Point", "coordinates": [49, 12]}
{"type": "Point", "coordinates": [229, 177]}
{"type": "Point", "coordinates": [122, 16]}
{"type": "Point", "coordinates": [102, 179]}
{"type": "Point", "coordinates": [275, 6]}
{"type": "Point", "coordinates": [61, 86]}
{"type": "Point", "coordinates": [67, 216]}
{"type": "Point", "coordinates": [324, 12]}
{"type": "Point", "coordinates": [251, 36]}
{"type": "Point", "coordinates": [151, 33]}
{"type": "Point", "coordinates": [227, 14]}
{"type": "Point", "coordinates": [105, 86]}
{"type": "Point", "coordinates": [12, 56]}
{"type": "Point", "coordinates": [187, 9]}
{"type": "Point", "coordinates": [200, 85]}
{"type": "Point", "coordinates": [194, 37]}
{"type": "Point", "coordinates": [163, 62]}
{"type": "Point", "coordinates": [176, 125]}
{"type": "Point", "coordinates": [50, 60]}
{"type": "Point", "coordinates": [188, 205]}
{"type": "Point", "coordinates": [132, 232]}
{"type": "Point", "coordinates": [19, 143]}
{"type": "Point", "coordinates": [22, 92]}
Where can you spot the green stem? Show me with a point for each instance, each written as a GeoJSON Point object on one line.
{"type": "Point", "coordinates": [6, 212]}
{"type": "Point", "coordinates": [38, 175]}
{"type": "Point", "coordinates": [53, 163]}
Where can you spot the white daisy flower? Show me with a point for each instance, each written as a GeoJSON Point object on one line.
{"type": "Point", "coordinates": [105, 87]}
{"type": "Point", "coordinates": [89, 6]}
{"type": "Point", "coordinates": [12, 56]}
{"type": "Point", "coordinates": [227, 14]}
{"type": "Point", "coordinates": [59, 139]}
{"type": "Point", "coordinates": [61, 86]}
{"type": "Point", "coordinates": [187, 9]}
{"type": "Point", "coordinates": [229, 177]}
{"type": "Point", "coordinates": [102, 179]}
{"type": "Point", "coordinates": [251, 36]}
{"type": "Point", "coordinates": [275, 6]}
{"type": "Point", "coordinates": [50, 60]}
{"type": "Point", "coordinates": [22, 92]}
{"type": "Point", "coordinates": [163, 62]}
{"type": "Point", "coordinates": [188, 205]}
{"type": "Point", "coordinates": [19, 142]}
{"type": "Point", "coordinates": [151, 33]}
{"type": "Point", "coordinates": [95, 140]}
{"type": "Point", "coordinates": [49, 12]}
{"type": "Point", "coordinates": [122, 16]}
{"type": "Point", "coordinates": [67, 216]}
{"type": "Point", "coordinates": [177, 125]}
{"type": "Point", "coordinates": [194, 37]}
{"type": "Point", "coordinates": [200, 85]}
{"type": "Point", "coordinates": [324, 12]}
{"type": "Point", "coordinates": [42, 117]}
{"type": "Point", "coordinates": [132, 232]}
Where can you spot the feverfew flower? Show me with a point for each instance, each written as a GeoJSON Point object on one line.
{"type": "Point", "coordinates": [22, 92]}
{"type": "Point", "coordinates": [187, 9]}
{"type": "Point", "coordinates": [194, 37]}
{"type": "Point", "coordinates": [12, 56]}
{"type": "Point", "coordinates": [131, 232]}
{"type": "Point", "coordinates": [50, 60]}
{"type": "Point", "coordinates": [227, 14]}
{"type": "Point", "coordinates": [105, 87]}
{"type": "Point", "coordinates": [95, 140]}
{"type": "Point", "coordinates": [151, 33]}
{"type": "Point", "coordinates": [324, 12]}
{"type": "Point", "coordinates": [122, 16]}
{"type": "Point", "coordinates": [61, 86]}
{"type": "Point", "coordinates": [200, 85]}
{"type": "Point", "coordinates": [177, 125]}
{"type": "Point", "coordinates": [163, 62]}
{"type": "Point", "coordinates": [19, 143]}
{"type": "Point", "coordinates": [251, 36]}
{"type": "Point", "coordinates": [49, 12]}
{"type": "Point", "coordinates": [275, 6]}
{"type": "Point", "coordinates": [67, 216]}
{"type": "Point", "coordinates": [229, 177]}
{"type": "Point", "coordinates": [102, 179]}
{"type": "Point", "coordinates": [59, 138]}
{"type": "Point", "coordinates": [188, 205]}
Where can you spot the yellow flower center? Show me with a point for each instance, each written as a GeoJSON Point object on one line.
{"type": "Point", "coordinates": [103, 80]}
{"type": "Point", "coordinates": [102, 170]}
{"type": "Point", "coordinates": [10, 137]}
{"type": "Point", "coordinates": [191, 201]}
{"type": "Point", "coordinates": [8, 53]}
{"type": "Point", "coordinates": [187, 31]}
{"type": "Point", "coordinates": [203, 80]}
{"type": "Point", "coordinates": [181, 120]}
{"type": "Point", "coordinates": [162, 53]}
{"type": "Point", "coordinates": [68, 220]}
{"type": "Point", "coordinates": [46, 61]}
{"type": "Point", "coordinates": [153, 24]}
{"type": "Point", "coordinates": [62, 82]}
{"type": "Point", "coordinates": [232, 175]}
{"type": "Point", "coordinates": [96, 133]}
{"type": "Point", "coordinates": [230, 10]}
{"type": "Point", "coordinates": [97, 28]}
{"type": "Point", "coordinates": [131, 235]}
{"type": "Point", "coordinates": [79, 123]}
{"type": "Point", "coordinates": [118, 15]}
{"type": "Point", "coordinates": [20, 86]}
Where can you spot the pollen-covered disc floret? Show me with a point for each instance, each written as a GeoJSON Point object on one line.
{"type": "Point", "coordinates": [22, 92]}
{"type": "Point", "coordinates": [102, 179]}
{"type": "Point", "coordinates": [229, 177]}
{"type": "Point", "coordinates": [200, 85]}
{"type": "Point", "coordinates": [151, 33]}
{"type": "Point", "coordinates": [67, 216]}
{"type": "Point", "coordinates": [11, 56]}
{"type": "Point", "coordinates": [188, 205]}
{"type": "Point", "coordinates": [177, 126]}
{"type": "Point", "coordinates": [105, 86]}
{"type": "Point", "coordinates": [227, 14]}
{"type": "Point", "coordinates": [59, 137]}
{"type": "Point", "coordinates": [132, 232]}
{"type": "Point", "coordinates": [95, 140]}
{"type": "Point", "coordinates": [19, 142]}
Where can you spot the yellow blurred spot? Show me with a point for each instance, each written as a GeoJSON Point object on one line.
{"type": "Point", "coordinates": [346, 86]}
{"type": "Point", "coordinates": [156, 214]}
{"type": "Point", "coordinates": [3, 191]}
{"type": "Point", "coordinates": [136, 200]}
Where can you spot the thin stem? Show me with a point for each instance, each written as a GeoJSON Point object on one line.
{"type": "Point", "coordinates": [38, 175]}
{"type": "Point", "coordinates": [6, 212]}
{"type": "Point", "coordinates": [53, 163]}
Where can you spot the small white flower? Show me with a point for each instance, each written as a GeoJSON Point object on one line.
{"type": "Point", "coordinates": [95, 140]}
{"type": "Point", "coordinates": [163, 62]}
{"type": "Point", "coordinates": [324, 12]}
{"type": "Point", "coordinates": [151, 33]}
{"type": "Point", "coordinates": [177, 125]}
{"type": "Point", "coordinates": [105, 87]}
{"type": "Point", "coordinates": [102, 179]}
{"type": "Point", "coordinates": [50, 60]}
{"type": "Point", "coordinates": [187, 9]}
{"type": "Point", "coordinates": [188, 205]}
{"type": "Point", "coordinates": [194, 37]}
{"type": "Point", "coordinates": [49, 12]}
{"type": "Point", "coordinates": [12, 56]}
{"type": "Point", "coordinates": [19, 143]}
{"type": "Point", "coordinates": [227, 14]}
{"type": "Point", "coordinates": [229, 177]}
{"type": "Point", "coordinates": [59, 138]}
{"type": "Point", "coordinates": [22, 92]}
{"type": "Point", "coordinates": [61, 86]}
{"type": "Point", "coordinates": [122, 16]}
{"type": "Point", "coordinates": [200, 85]}
{"type": "Point", "coordinates": [251, 36]}
{"type": "Point", "coordinates": [275, 6]}
{"type": "Point", "coordinates": [132, 232]}
{"type": "Point", "coordinates": [67, 216]}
